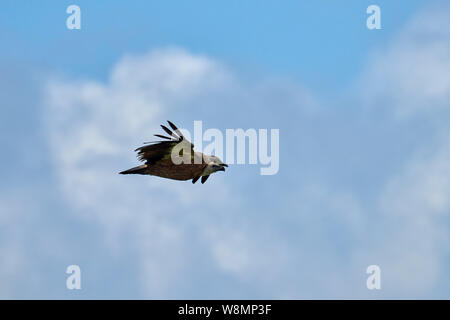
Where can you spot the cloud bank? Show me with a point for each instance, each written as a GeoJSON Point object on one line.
{"type": "Point", "coordinates": [359, 185]}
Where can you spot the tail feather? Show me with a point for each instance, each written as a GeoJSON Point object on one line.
{"type": "Point", "coordinates": [136, 170]}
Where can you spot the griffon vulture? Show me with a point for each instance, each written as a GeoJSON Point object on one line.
{"type": "Point", "coordinates": [159, 161]}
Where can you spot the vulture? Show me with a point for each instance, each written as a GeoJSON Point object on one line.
{"type": "Point", "coordinates": [158, 158]}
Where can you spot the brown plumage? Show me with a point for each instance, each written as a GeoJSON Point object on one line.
{"type": "Point", "coordinates": [158, 159]}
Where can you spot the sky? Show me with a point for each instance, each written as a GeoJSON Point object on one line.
{"type": "Point", "coordinates": [364, 171]}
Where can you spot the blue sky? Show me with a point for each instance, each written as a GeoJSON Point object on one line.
{"type": "Point", "coordinates": [364, 149]}
{"type": "Point", "coordinates": [315, 42]}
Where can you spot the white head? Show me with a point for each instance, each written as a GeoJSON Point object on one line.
{"type": "Point", "coordinates": [214, 164]}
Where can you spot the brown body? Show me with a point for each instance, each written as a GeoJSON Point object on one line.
{"type": "Point", "coordinates": [164, 168]}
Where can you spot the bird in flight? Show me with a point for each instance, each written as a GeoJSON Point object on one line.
{"type": "Point", "coordinates": [159, 158]}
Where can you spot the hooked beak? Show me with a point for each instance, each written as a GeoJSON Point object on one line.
{"type": "Point", "coordinates": [222, 167]}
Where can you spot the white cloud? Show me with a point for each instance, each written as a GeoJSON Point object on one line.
{"type": "Point", "coordinates": [26, 238]}
{"type": "Point", "coordinates": [409, 83]}
{"type": "Point", "coordinates": [410, 77]}
{"type": "Point", "coordinates": [94, 126]}
{"type": "Point", "coordinates": [93, 129]}
{"type": "Point", "coordinates": [13, 260]}
{"type": "Point", "coordinates": [412, 246]}
{"type": "Point", "coordinates": [324, 236]}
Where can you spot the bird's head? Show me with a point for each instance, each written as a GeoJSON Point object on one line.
{"type": "Point", "coordinates": [215, 164]}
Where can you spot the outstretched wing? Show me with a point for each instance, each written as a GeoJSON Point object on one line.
{"type": "Point", "coordinates": [155, 151]}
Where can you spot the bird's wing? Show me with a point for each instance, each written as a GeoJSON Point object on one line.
{"type": "Point", "coordinates": [155, 151]}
